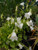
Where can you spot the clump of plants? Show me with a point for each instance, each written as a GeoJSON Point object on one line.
{"type": "Point", "coordinates": [16, 31]}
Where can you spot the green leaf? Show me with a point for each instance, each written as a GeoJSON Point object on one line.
{"type": "Point", "coordinates": [12, 44]}
{"type": "Point", "coordinates": [25, 37]}
{"type": "Point", "coordinates": [37, 19]}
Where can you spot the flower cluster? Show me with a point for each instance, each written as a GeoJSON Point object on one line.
{"type": "Point", "coordinates": [18, 24]}
{"type": "Point", "coordinates": [15, 29]}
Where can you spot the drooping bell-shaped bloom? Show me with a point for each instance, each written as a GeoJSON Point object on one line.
{"type": "Point", "coordinates": [14, 36]}
{"type": "Point", "coordinates": [20, 25]}
{"type": "Point", "coordinates": [19, 20]}
{"type": "Point", "coordinates": [27, 15]}
{"type": "Point", "coordinates": [12, 20]}
{"type": "Point", "coordinates": [20, 46]}
{"type": "Point", "coordinates": [22, 3]}
{"type": "Point", "coordinates": [8, 18]}
{"type": "Point", "coordinates": [31, 27]}
{"type": "Point", "coordinates": [16, 24]}
{"type": "Point", "coordinates": [29, 23]}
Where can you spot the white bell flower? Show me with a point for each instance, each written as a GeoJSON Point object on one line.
{"type": "Point", "coordinates": [16, 24]}
{"type": "Point", "coordinates": [36, 0]}
{"type": "Point", "coordinates": [29, 23]}
{"type": "Point", "coordinates": [20, 25]}
{"type": "Point", "coordinates": [31, 27]}
{"type": "Point", "coordinates": [19, 22]}
{"type": "Point", "coordinates": [12, 20]}
{"type": "Point", "coordinates": [22, 3]}
{"type": "Point", "coordinates": [18, 19]}
{"type": "Point", "coordinates": [20, 46]}
{"type": "Point", "coordinates": [14, 36]}
{"type": "Point", "coordinates": [8, 18]}
{"type": "Point", "coordinates": [27, 15]}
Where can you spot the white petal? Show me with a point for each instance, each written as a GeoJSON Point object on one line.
{"type": "Point", "coordinates": [20, 26]}
{"type": "Point", "coordinates": [16, 24]}
{"type": "Point", "coordinates": [28, 23]}
{"type": "Point", "coordinates": [36, 0]}
{"type": "Point", "coordinates": [31, 23]}
{"type": "Point", "coordinates": [19, 22]}
{"type": "Point", "coordinates": [22, 3]}
{"type": "Point", "coordinates": [20, 46]}
{"type": "Point", "coordinates": [8, 18]}
{"type": "Point", "coordinates": [31, 28]}
{"type": "Point", "coordinates": [27, 15]}
{"type": "Point", "coordinates": [12, 20]}
{"type": "Point", "coordinates": [18, 19]}
{"type": "Point", "coordinates": [14, 36]}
